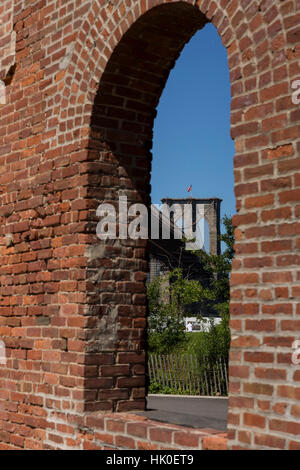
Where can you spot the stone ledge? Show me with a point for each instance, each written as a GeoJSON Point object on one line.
{"type": "Point", "coordinates": [129, 431]}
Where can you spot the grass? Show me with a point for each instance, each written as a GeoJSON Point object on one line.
{"type": "Point", "coordinates": [194, 339]}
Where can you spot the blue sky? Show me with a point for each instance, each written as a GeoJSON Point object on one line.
{"type": "Point", "coordinates": [192, 143]}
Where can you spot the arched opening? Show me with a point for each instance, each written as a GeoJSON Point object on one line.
{"type": "Point", "coordinates": [120, 154]}
{"type": "Point", "coordinates": [192, 159]}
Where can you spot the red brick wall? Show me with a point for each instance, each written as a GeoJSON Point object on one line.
{"type": "Point", "coordinates": [77, 130]}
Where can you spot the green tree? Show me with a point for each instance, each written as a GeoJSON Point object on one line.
{"type": "Point", "coordinates": [217, 341]}
{"type": "Point", "coordinates": [219, 268]}
{"type": "Point", "coordinates": [167, 297]}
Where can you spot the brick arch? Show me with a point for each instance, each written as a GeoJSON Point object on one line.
{"type": "Point", "coordinates": [256, 41]}
{"type": "Point", "coordinates": [120, 164]}
{"type": "Point", "coordinates": [65, 359]}
{"type": "Point", "coordinates": [104, 31]}
{"type": "Point", "coordinates": [255, 37]}
{"type": "Point", "coordinates": [241, 26]}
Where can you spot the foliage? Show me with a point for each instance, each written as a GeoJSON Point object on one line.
{"type": "Point", "coordinates": [216, 341]}
{"type": "Point", "coordinates": [166, 329]}
{"type": "Point", "coordinates": [183, 291]}
{"type": "Point", "coordinates": [157, 388]}
{"type": "Point", "coordinates": [209, 344]}
{"type": "Point", "coordinates": [191, 345]}
{"type": "Point", "coordinates": [219, 268]}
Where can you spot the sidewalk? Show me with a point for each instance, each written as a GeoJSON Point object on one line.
{"type": "Point", "coordinates": [192, 411]}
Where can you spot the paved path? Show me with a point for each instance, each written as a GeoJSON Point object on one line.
{"type": "Point", "coordinates": [197, 412]}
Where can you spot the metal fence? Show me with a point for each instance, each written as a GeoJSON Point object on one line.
{"type": "Point", "coordinates": [186, 374]}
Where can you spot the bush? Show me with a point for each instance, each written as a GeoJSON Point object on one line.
{"type": "Point", "coordinates": [155, 388]}
{"type": "Point", "coordinates": [165, 340]}
{"type": "Point", "coordinates": [215, 343]}
{"type": "Point", "coordinates": [166, 328]}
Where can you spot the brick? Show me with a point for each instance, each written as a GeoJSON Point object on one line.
{"type": "Point", "coordinates": [289, 196]}
{"type": "Point", "coordinates": [186, 439]}
{"type": "Point", "coordinates": [258, 388]}
{"type": "Point", "coordinates": [288, 392]}
{"type": "Point", "coordinates": [294, 445]}
{"type": "Point", "coordinates": [239, 371]}
{"type": "Point", "coordinates": [158, 434]}
{"type": "Point", "coordinates": [269, 441]}
{"type": "Point", "coordinates": [255, 420]}
{"type": "Point", "coordinates": [115, 426]}
{"type": "Point", "coordinates": [275, 246]}
{"type": "Point", "coordinates": [276, 122]}
{"type": "Point", "coordinates": [273, 214]}
{"type": "Point", "coordinates": [143, 445]}
{"type": "Point", "coordinates": [259, 201]}
{"type": "Point", "coordinates": [274, 91]}
{"type": "Point", "coordinates": [270, 373]}
{"type": "Point", "coordinates": [295, 411]}
{"type": "Point", "coordinates": [278, 152]}
{"type": "Point", "coordinates": [241, 402]}
{"type": "Point", "coordinates": [137, 429]}
{"type": "Point", "coordinates": [260, 325]}
{"type": "Point", "coordinates": [277, 277]}
{"type": "Point", "coordinates": [214, 443]}
{"type": "Point", "coordinates": [288, 427]}
{"type": "Point", "coordinates": [125, 442]}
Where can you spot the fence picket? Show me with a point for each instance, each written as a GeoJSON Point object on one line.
{"type": "Point", "coordinates": [172, 382]}
{"type": "Point", "coordinates": [215, 381]}
{"type": "Point", "coordinates": [222, 375]}
{"type": "Point", "coordinates": [151, 369]}
{"type": "Point", "coordinates": [186, 381]}
{"type": "Point", "coordinates": [226, 374]}
{"type": "Point", "coordinates": [207, 381]}
{"type": "Point", "coordinates": [189, 373]}
{"type": "Point", "coordinates": [197, 375]}
{"type": "Point", "coordinates": [178, 372]}
{"type": "Point", "coordinates": [158, 370]}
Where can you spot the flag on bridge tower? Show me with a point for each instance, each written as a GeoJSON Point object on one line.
{"type": "Point", "coordinates": [189, 189]}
